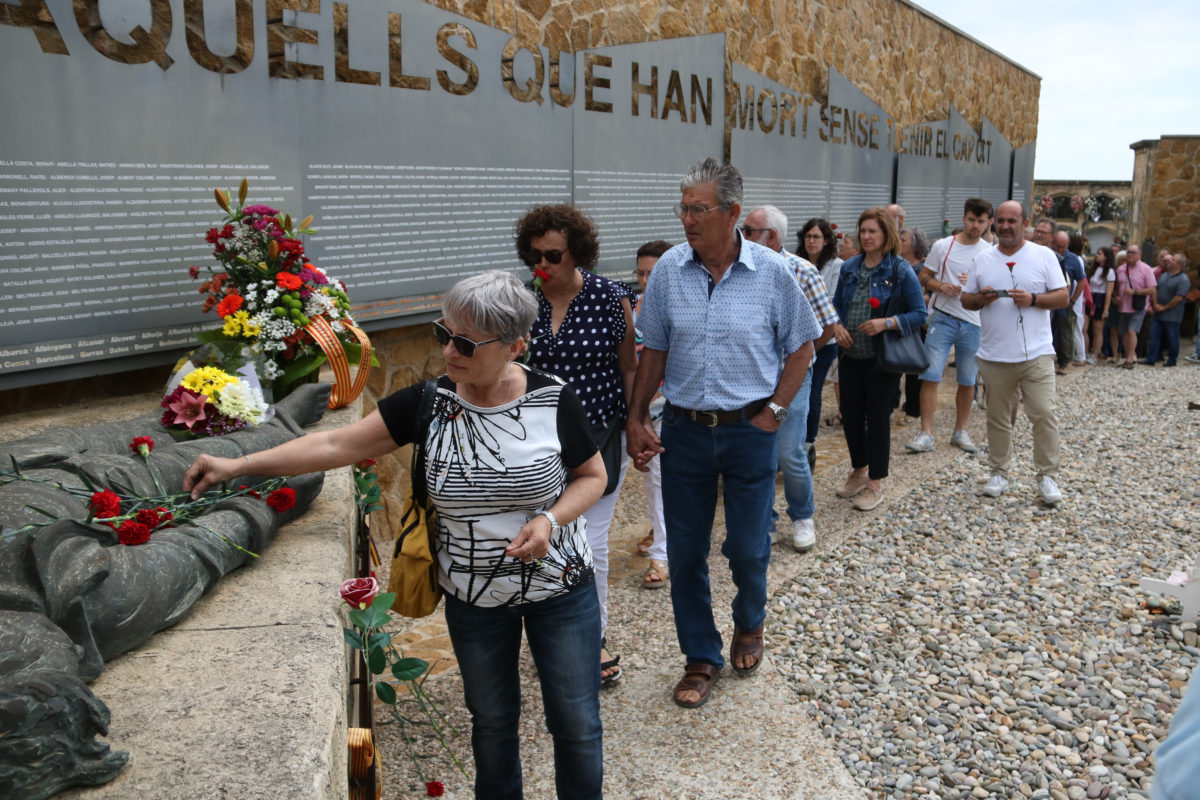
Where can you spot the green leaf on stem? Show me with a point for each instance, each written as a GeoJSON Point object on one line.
{"type": "Point", "coordinates": [353, 638]}
{"type": "Point", "coordinates": [384, 600]}
{"type": "Point", "coordinates": [379, 639]}
{"type": "Point", "coordinates": [409, 669]}
{"type": "Point", "coordinates": [386, 693]}
{"type": "Point", "coordinates": [376, 660]}
{"type": "Point", "coordinates": [358, 618]}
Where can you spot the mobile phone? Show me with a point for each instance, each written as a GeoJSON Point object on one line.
{"type": "Point", "coordinates": [1000, 292]}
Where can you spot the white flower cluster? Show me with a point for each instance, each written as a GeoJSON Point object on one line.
{"type": "Point", "coordinates": [274, 330]}
{"type": "Point", "coordinates": [319, 304]}
{"type": "Point", "coordinates": [242, 401]}
{"type": "Point", "coordinates": [246, 243]}
{"type": "Point", "coordinates": [271, 370]}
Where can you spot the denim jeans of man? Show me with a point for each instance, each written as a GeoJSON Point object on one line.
{"type": "Point", "coordinates": [793, 460]}
{"type": "Point", "coordinates": [564, 640]}
{"type": "Point", "coordinates": [743, 459]}
{"type": "Point", "coordinates": [822, 361]}
{"type": "Point", "coordinates": [1159, 330]}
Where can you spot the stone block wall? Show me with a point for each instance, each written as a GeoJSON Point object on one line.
{"type": "Point", "coordinates": [1166, 195]}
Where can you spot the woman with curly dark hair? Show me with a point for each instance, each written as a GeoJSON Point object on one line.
{"type": "Point", "coordinates": [584, 334]}
{"type": "Point", "coordinates": [819, 244]}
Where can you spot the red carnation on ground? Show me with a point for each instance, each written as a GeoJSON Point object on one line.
{"type": "Point", "coordinates": [139, 442]}
{"type": "Point", "coordinates": [229, 304]}
{"type": "Point", "coordinates": [434, 789]}
{"type": "Point", "coordinates": [105, 504]}
{"type": "Point", "coordinates": [132, 533]}
{"type": "Point", "coordinates": [288, 281]}
{"type": "Point", "coordinates": [873, 302]}
{"type": "Point", "coordinates": [358, 592]}
{"type": "Point", "coordinates": [147, 517]}
{"type": "Point", "coordinates": [282, 499]}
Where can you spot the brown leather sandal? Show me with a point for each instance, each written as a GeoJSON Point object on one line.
{"type": "Point", "coordinates": [643, 547]}
{"type": "Point", "coordinates": [746, 643]}
{"type": "Point", "coordinates": [697, 678]}
{"type": "Point", "coordinates": [656, 576]}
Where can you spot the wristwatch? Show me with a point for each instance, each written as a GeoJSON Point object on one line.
{"type": "Point", "coordinates": [779, 411]}
{"type": "Point", "coordinates": [554, 526]}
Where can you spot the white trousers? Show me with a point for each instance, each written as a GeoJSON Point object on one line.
{"type": "Point", "coordinates": [599, 520]}
{"type": "Point", "coordinates": [1081, 320]}
{"type": "Point", "coordinates": [652, 484]}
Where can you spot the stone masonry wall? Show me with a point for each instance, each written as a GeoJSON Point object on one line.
{"type": "Point", "coordinates": [1167, 191]}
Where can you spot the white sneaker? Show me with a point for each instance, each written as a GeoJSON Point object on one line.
{"type": "Point", "coordinates": [921, 443]}
{"type": "Point", "coordinates": [962, 440]}
{"type": "Point", "coordinates": [1048, 489]}
{"type": "Point", "coordinates": [1091, 359]}
{"type": "Point", "coordinates": [804, 535]}
{"type": "Point", "coordinates": [996, 486]}
{"type": "Point", "coordinates": [1194, 359]}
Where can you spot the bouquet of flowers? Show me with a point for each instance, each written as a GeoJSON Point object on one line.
{"type": "Point", "coordinates": [278, 310]}
{"type": "Point", "coordinates": [1076, 204]}
{"type": "Point", "coordinates": [1043, 204]}
{"type": "Point", "coordinates": [207, 401]}
{"type": "Point", "coordinates": [1091, 208]}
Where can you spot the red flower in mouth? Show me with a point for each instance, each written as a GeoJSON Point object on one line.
{"type": "Point", "coordinates": [541, 273]}
{"type": "Point", "coordinates": [873, 302]}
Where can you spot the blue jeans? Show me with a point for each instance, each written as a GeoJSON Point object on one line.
{"type": "Point", "coordinates": [820, 368]}
{"type": "Point", "coordinates": [564, 639]}
{"type": "Point", "coordinates": [793, 460]}
{"type": "Point", "coordinates": [943, 332]}
{"type": "Point", "coordinates": [1158, 329]}
{"type": "Point", "coordinates": [694, 458]}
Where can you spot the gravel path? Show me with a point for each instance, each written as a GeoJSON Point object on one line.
{"type": "Point", "coordinates": [945, 646]}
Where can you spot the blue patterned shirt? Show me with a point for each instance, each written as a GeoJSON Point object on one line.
{"type": "Point", "coordinates": [725, 349]}
{"type": "Point", "coordinates": [813, 286]}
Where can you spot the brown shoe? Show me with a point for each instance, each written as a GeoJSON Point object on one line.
{"type": "Point", "coordinates": [698, 678]}
{"type": "Point", "coordinates": [853, 485]}
{"type": "Point", "coordinates": [746, 643]}
{"type": "Point", "coordinates": [869, 497]}
{"type": "Point", "coordinates": [656, 576]}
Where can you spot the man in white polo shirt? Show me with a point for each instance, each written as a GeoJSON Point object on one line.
{"type": "Point", "coordinates": [1015, 286]}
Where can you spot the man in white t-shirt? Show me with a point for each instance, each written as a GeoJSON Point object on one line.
{"type": "Point", "coordinates": [1015, 286]}
{"type": "Point", "coordinates": [945, 273]}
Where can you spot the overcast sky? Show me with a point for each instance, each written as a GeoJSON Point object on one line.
{"type": "Point", "coordinates": [1113, 72]}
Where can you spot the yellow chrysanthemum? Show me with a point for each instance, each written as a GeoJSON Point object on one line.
{"type": "Point", "coordinates": [232, 326]}
{"type": "Point", "coordinates": [207, 380]}
{"type": "Point", "coordinates": [250, 328]}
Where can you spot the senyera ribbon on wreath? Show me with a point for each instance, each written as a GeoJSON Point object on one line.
{"type": "Point", "coordinates": [344, 390]}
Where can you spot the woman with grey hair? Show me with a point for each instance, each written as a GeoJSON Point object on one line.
{"type": "Point", "coordinates": [914, 247]}
{"type": "Point", "coordinates": [510, 466]}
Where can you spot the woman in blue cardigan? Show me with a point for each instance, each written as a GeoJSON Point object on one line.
{"type": "Point", "coordinates": [866, 284]}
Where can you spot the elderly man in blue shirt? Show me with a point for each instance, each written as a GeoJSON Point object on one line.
{"type": "Point", "coordinates": [729, 335]}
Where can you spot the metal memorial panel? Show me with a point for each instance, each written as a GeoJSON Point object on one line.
{"type": "Point", "coordinates": [1022, 175]}
{"type": "Point", "coordinates": [774, 142]}
{"type": "Point", "coordinates": [643, 113]}
{"type": "Point", "coordinates": [968, 158]}
{"type": "Point", "coordinates": [859, 134]}
{"type": "Point", "coordinates": [996, 174]}
{"type": "Point", "coordinates": [922, 174]}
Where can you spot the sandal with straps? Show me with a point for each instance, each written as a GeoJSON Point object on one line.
{"type": "Point", "coordinates": [746, 643]}
{"type": "Point", "coordinates": [613, 664]}
{"type": "Point", "coordinates": [643, 546]}
{"type": "Point", "coordinates": [656, 576]}
{"type": "Point", "coordinates": [698, 678]}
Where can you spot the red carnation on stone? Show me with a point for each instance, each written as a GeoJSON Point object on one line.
{"type": "Point", "coordinates": [873, 302]}
{"type": "Point", "coordinates": [132, 533]}
{"type": "Point", "coordinates": [105, 504]}
{"type": "Point", "coordinates": [148, 517]}
{"type": "Point", "coordinates": [251, 493]}
{"type": "Point", "coordinates": [282, 499]}
{"type": "Point", "coordinates": [139, 442]}
{"type": "Point", "coordinates": [434, 789]}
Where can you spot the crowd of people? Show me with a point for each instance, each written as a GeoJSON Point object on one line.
{"type": "Point", "coordinates": [709, 379]}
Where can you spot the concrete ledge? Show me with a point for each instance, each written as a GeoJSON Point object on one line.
{"type": "Point", "coordinates": [246, 697]}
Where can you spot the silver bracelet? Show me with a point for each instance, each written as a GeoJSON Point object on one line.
{"type": "Point", "coordinates": [247, 461]}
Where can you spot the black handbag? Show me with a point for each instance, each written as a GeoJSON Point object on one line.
{"type": "Point", "coordinates": [608, 440]}
{"type": "Point", "coordinates": [897, 353]}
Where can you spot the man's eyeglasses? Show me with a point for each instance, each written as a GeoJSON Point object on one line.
{"type": "Point", "coordinates": [533, 257]}
{"type": "Point", "coordinates": [749, 231]}
{"type": "Point", "coordinates": [641, 273]}
{"type": "Point", "coordinates": [696, 211]}
{"type": "Point", "coordinates": [462, 344]}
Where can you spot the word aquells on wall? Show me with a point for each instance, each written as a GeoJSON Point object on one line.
{"type": "Point", "coordinates": [220, 38]}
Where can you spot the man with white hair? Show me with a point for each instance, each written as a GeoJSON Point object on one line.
{"type": "Point", "coordinates": [896, 212]}
{"type": "Point", "coordinates": [767, 225]}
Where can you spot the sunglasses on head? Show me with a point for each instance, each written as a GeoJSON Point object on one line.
{"type": "Point", "coordinates": [533, 257]}
{"type": "Point", "coordinates": [462, 344]}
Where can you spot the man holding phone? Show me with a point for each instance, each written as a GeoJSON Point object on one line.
{"type": "Point", "coordinates": [1017, 345]}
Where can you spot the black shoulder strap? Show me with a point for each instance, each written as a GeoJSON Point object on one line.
{"type": "Point", "coordinates": [420, 432]}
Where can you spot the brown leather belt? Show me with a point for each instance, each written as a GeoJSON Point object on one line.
{"type": "Point", "coordinates": [711, 419]}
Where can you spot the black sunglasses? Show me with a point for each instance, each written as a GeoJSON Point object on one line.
{"type": "Point", "coordinates": [533, 257]}
{"type": "Point", "coordinates": [462, 344]}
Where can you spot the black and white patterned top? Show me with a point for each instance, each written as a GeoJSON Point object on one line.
{"type": "Point", "coordinates": [491, 470]}
{"type": "Point", "coordinates": [584, 352]}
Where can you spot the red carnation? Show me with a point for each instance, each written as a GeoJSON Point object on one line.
{"type": "Point", "coordinates": [105, 504]}
{"type": "Point", "coordinates": [139, 442]}
{"type": "Point", "coordinates": [366, 463]}
{"type": "Point", "coordinates": [251, 493]}
{"type": "Point", "coordinates": [148, 517]}
{"type": "Point", "coordinates": [229, 304]}
{"type": "Point", "coordinates": [288, 281]}
{"type": "Point", "coordinates": [434, 789]}
{"type": "Point", "coordinates": [833, 225]}
{"type": "Point", "coordinates": [164, 517]}
{"type": "Point", "coordinates": [541, 273]}
{"type": "Point", "coordinates": [282, 499]}
{"type": "Point", "coordinates": [873, 302]}
{"type": "Point", "coordinates": [1010, 265]}
{"type": "Point", "coordinates": [194, 272]}
{"type": "Point", "coordinates": [133, 533]}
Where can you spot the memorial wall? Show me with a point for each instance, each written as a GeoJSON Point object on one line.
{"type": "Point", "coordinates": [417, 134]}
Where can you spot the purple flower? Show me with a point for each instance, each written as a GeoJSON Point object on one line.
{"type": "Point", "coordinates": [262, 211]}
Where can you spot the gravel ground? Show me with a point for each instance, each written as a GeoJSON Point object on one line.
{"type": "Point", "coordinates": [947, 645]}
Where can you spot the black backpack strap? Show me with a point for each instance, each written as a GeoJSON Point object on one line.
{"type": "Point", "coordinates": [420, 431]}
